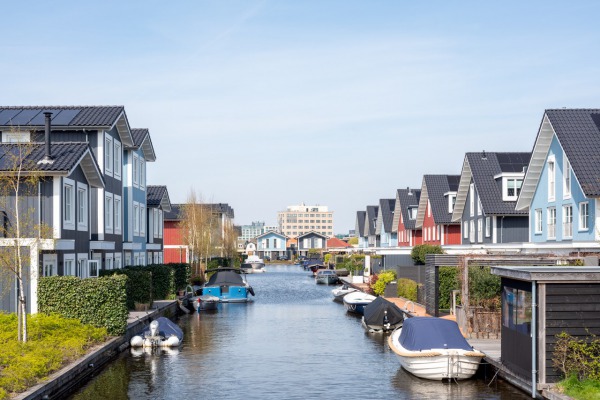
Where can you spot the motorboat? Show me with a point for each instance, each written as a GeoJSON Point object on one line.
{"type": "Point", "coordinates": [382, 316]}
{"type": "Point", "coordinates": [326, 277]}
{"type": "Point", "coordinates": [434, 348]}
{"type": "Point", "coordinates": [228, 285]}
{"type": "Point", "coordinates": [206, 302]}
{"type": "Point", "coordinates": [253, 264]}
{"type": "Point", "coordinates": [314, 268]}
{"type": "Point", "coordinates": [309, 262]}
{"type": "Point", "coordinates": [189, 296]}
{"type": "Point", "coordinates": [355, 302]}
{"type": "Point", "coordinates": [162, 332]}
{"type": "Point", "coordinates": [340, 292]}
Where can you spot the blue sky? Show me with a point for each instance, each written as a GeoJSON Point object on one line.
{"type": "Point", "coordinates": [265, 104]}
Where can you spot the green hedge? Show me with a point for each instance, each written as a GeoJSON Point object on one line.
{"type": "Point", "coordinates": [419, 252]}
{"type": "Point", "coordinates": [448, 280]}
{"type": "Point", "coordinates": [139, 284]}
{"type": "Point", "coordinates": [163, 281]}
{"type": "Point", "coordinates": [382, 280]}
{"type": "Point", "coordinates": [100, 302]}
{"type": "Point", "coordinates": [181, 275]}
{"type": "Point", "coordinates": [407, 288]}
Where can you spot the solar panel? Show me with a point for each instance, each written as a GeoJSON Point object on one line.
{"type": "Point", "coordinates": [6, 116]}
{"type": "Point", "coordinates": [40, 118]}
{"type": "Point", "coordinates": [64, 117]}
{"type": "Point", "coordinates": [24, 117]}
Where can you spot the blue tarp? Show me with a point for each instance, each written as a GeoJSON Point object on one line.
{"type": "Point", "coordinates": [424, 333]}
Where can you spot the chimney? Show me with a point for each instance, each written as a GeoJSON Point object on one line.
{"type": "Point", "coordinates": [48, 115]}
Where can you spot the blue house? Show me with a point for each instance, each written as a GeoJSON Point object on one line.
{"type": "Point", "coordinates": [386, 237]}
{"type": "Point", "coordinates": [271, 244]}
{"type": "Point", "coordinates": [562, 184]}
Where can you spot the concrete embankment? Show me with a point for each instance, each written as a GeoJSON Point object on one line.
{"type": "Point", "coordinates": [62, 382]}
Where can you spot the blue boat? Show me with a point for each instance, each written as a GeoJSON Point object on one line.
{"type": "Point", "coordinates": [228, 285]}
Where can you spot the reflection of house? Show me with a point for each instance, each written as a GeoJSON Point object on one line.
{"type": "Point", "coordinates": [567, 299]}
{"type": "Point", "coordinates": [271, 244]}
{"type": "Point", "coordinates": [311, 241]}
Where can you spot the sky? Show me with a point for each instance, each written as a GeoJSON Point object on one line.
{"type": "Point", "coordinates": [266, 104]}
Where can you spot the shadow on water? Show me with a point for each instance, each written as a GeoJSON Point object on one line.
{"type": "Point", "coordinates": [291, 342]}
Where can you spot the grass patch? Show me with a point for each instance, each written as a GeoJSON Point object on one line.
{"type": "Point", "coordinates": [587, 389]}
{"type": "Point", "coordinates": [53, 342]}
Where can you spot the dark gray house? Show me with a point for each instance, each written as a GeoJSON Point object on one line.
{"type": "Point", "coordinates": [383, 229]}
{"type": "Point", "coordinates": [360, 229]}
{"type": "Point", "coordinates": [490, 184]}
{"type": "Point", "coordinates": [311, 240]}
{"type": "Point", "coordinates": [371, 225]}
{"type": "Point", "coordinates": [159, 204]}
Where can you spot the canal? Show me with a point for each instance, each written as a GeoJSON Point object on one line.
{"type": "Point", "coordinates": [291, 342]}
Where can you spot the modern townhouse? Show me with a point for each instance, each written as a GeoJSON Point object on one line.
{"type": "Point", "coordinates": [175, 249]}
{"type": "Point", "coordinates": [158, 203]}
{"type": "Point", "coordinates": [562, 184]}
{"type": "Point", "coordinates": [405, 217]}
{"type": "Point", "coordinates": [311, 240]}
{"type": "Point", "coordinates": [383, 226]}
{"type": "Point", "coordinates": [360, 229]}
{"type": "Point", "coordinates": [436, 204]}
{"type": "Point", "coordinates": [271, 244]}
{"type": "Point", "coordinates": [490, 184]}
{"type": "Point", "coordinates": [371, 225]}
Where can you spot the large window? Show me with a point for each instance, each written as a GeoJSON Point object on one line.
{"type": "Point", "coordinates": [516, 309]}
{"type": "Point", "coordinates": [567, 221]}
{"type": "Point", "coordinates": [82, 206]}
{"type": "Point", "coordinates": [472, 200]}
{"type": "Point", "coordinates": [118, 160]}
{"type": "Point", "coordinates": [551, 223]}
{"type": "Point", "coordinates": [480, 230]}
{"type": "Point", "coordinates": [69, 265]}
{"type": "Point", "coordinates": [465, 229]}
{"type": "Point", "coordinates": [108, 155]}
{"type": "Point", "coordinates": [566, 178]}
{"type": "Point", "coordinates": [584, 215]}
{"type": "Point", "coordinates": [513, 188]}
{"type": "Point", "coordinates": [68, 203]}
{"type": "Point", "coordinates": [551, 179]}
{"type": "Point", "coordinates": [488, 227]}
{"type": "Point", "coordinates": [117, 214]}
{"type": "Point", "coordinates": [108, 212]}
{"type": "Point", "coordinates": [136, 168]}
{"type": "Point", "coordinates": [142, 220]}
{"type": "Point", "coordinates": [538, 220]}
{"type": "Point", "coordinates": [136, 219]}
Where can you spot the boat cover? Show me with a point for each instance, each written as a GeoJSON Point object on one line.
{"type": "Point", "coordinates": [425, 333]}
{"type": "Point", "coordinates": [374, 313]}
{"type": "Point", "coordinates": [225, 278]}
{"type": "Point", "coordinates": [166, 328]}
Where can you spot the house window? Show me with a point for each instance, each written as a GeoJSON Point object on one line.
{"type": "Point", "coordinates": [451, 202]}
{"type": "Point", "coordinates": [567, 221]}
{"type": "Point", "coordinates": [142, 174]}
{"type": "Point", "coordinates": [472, 231]}
{"type": "Point", "coordinates": [136, 167]}
{"type": "Point", "coordinates": [538, 220]}
{"type": "Point", "coordinates": [68, 204]}
{"type": "Point", "coordinates": [160, 224]}
{"type": "Point", "coordinates": [82, 206]}
{"type": "Point", "coordinates": [69, 265]}
{"type": "Point", "coordinates": [513, 188]}
{"type": "Point", "coordinates": [551, 179]}
{"type": "Point", "coordinates": [305, 243]}
{"type": "Point", "coordinates": [480, 230]}
{"type": "Point", "coordinates": [583, 216]}
{"type": "Point", "coordinates": [118, 162]}
{"type": "Point", "coordinates": [108, 155]}
{"type": "Point", "coordinates": [412, 212]}
{"type": "Point", "coordinates": [488, 227]}
{"type": "Point", "coordinates": [16, 137]}
{"type": "Point", "coordinates": [472, 200]}
{"type": "Point", "coordinates": [428, 209]}
{"type": "Point", "coordinates": [118, 261]}
{"type": "Point", "coordinates": [465, 229]}
{"type": "Point", "coordinates": [142, 220]}
{"type": "Point", "coordinates": [478, 205]}
{"type": "Point", "coordinates": [155, 221]}
{"type": "Point", "coordinates": [551, 223]}
{"type": "Point", "coordinates": [566, 178]}
{"type": "Point", "coordinates": [108, 212]}
{"type": "Point", "coordinates": [117, 214]}
{"type": "Point", "coordinates": [136, 219]}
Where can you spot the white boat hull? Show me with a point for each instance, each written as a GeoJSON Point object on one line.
{"type": "Point", "coordinates": [436, 364]}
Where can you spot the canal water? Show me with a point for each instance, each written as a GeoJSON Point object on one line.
{"type": "Point", "coordinates": [291, 342]}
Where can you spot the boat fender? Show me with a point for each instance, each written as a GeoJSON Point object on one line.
{"type": "Point", "coordinates": [251, 290]}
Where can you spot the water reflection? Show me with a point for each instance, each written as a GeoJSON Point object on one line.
{"type": "Point", "coordinates": [292, 342]}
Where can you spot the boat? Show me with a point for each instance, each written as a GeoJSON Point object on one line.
{"type": "Point", "coordinates": [189, 296]}
{"type": "Point", "coordinates": [253, 265]}
{"type": "Point", "coordinates": [434, 348]}
{"type": "Point", "coordinates": [314, 268]}
{"type": "Point", "coordinates": [355, 302]}
{"type": "Point", "coordinates": [162, 332]}
{"type": "Point", "coordinates": [228, 285]}
{"type": "Point", "coordinates": [326, 277]}
{"type": "Point", "coordinates": [206, 302]}
{"type": "Point", "coordinates": [340, 292]}
{"type": "Point", "coordinates": [382, 316]}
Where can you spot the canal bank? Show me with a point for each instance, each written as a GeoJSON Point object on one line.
{"type": "Point", "coordinates": [63, 381]}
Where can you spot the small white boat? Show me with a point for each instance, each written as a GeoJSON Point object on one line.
{"type": "Point", "coordinates": [340, 292]}
{"type": "Point", "coordinates": [355, 302]}
{"type": "Point", "coordinates": [253, 265]}
{"type": "Point", "coordinates": [162, 332]}
{"type": "Point", "coordinates": [205, 303]}
{"type": "Point", "coordinates": [326, 277]}
{"type": "Point", "coordinates": [434, 348]}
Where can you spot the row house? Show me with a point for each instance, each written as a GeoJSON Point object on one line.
{"type": "Point", "coordinates": [405, 217]}
{"type": "Point", "coordinates": [311, 240]}
{"type": "Point", "coordinates": [490, 184]}
{"type": "Point", "coordinates": [360, 229]}
{"type": "Point", "coordinates": [371, 226]}
{"type": "Point", "coordinates": [158, 203]}
{"type": "Point", "coordinates": [436, 204]}
{"type": "Point", "coordinates": [383, 225]}
{"type": "Point", "coordinates": [271, 244]}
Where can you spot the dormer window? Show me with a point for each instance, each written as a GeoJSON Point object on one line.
{"type": "Point", "coordinates": [412, 212]}
{"type": "Point", "coordinates": [16, 137]}
{"type": "Point", "coordinates": [451, 196]}
{"type": "Point", "coordinates": [511, 185]}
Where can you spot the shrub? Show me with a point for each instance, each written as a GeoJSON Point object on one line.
{"type": "Point", "coordinates": [579, 357]}
{"type": "Point", "coordinates": [407, 288]}
{"type": "Point", "coordinates": [382, 280]}
{"type": "Point", "coordinates": [354, 263]}
{"type": "Point", "coordinates": [484, 287]}
{"type": "Point", "coordinates": [419, 252]}
{"type": "Point", "coordinates": [448, 280]}
{"type": "Point", "coordinates": [162, 281]}
{"type": "Point", "coordinates": [181, 275]}
{"type": "Point", "coordinates": [139, 284]}
{"type": "Point", "coordinates": [100, 302]}
{"type": "Point", "coordinates": [327, 258]}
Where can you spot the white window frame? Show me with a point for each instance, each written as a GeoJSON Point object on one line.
{"type": "Point", "coordinates": [93, 268]}
{"type": "Point", "coordinates": [551, 222]}
{"type": "Point", "coordinates": [472, 200]}
{"type": "Point", "coordinates": [109, 261]}
{"type": "Point", "coordinates": [551, 167]}
{"type": "Point", "coordinates": [49, 265]}
{"type": "Point", "coordinates": [472, 231]}
{"type": "Point", "coordinates": [108, 212]}
{"type": "Point", "coordinates": [584, 218]}
{"type": "Point", "coordinates": [136, 218]}
{"type": "Point", "coordinates": [108, 155]}
{"type": "Point", "coordinates": [488, 228]}
{"type": "Point", "coordinates": [82, 206]}
{"type": "Point", "coordinates": [465, 226]}
{"type": "Point", "coordinates": [566, 178]}
{"type": "Point", "coordinates": [69, 259]}
{"type": "Point", "coordinates": [68, 206]}
{"type": "Point", "coordinates": [16, 137]}
{"type": "Point", "coordinates": [142, 173]}
{"type": "Point", "coordinates": [451, 202]}
{"type": "Point", "coordinates": [161, 224]}
{"type": "Point", "coordinates": [155, 221]}
{"type": "Point", "coordinates": [479, 207]}
{"type": "Point", "coordinates": [142, 220]}
{"type": "Point", "coordinates": [118, 214]}
{"type": "Point", "coordinates": [118, 261]}
{"type": "Point", "coordinates": [118, 159]}
{"type": "Point", "coordinates": [567, 221]}
{"type": "Point", "coordinates": [135, 170]}
{"type": "Point", "coordinates": [479, 230]}
{"type": "Point", "coordinates": [538, 221]}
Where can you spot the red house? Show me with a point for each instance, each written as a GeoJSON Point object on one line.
{"type": "Point", "coordinates": [174, 249]}
{"type": "Point", "coordinates": [436, 204]}
{"type": "Point", "coordinates": [405, 217]}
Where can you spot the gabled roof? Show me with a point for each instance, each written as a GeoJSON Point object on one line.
{"type": "Point", "coordinates": [66, 156]}
{"type": "Point", "coordinates": [281, 235]}
{"type": "Point", "coordinates": [67, 118]}
{"type": "Point", "coordinates": [141, 139]}
{"type": "Point", "coordinates": [482, 168]}
{"type": "Point", "coordinates": [174, 214]}
{"type": "Point", "coordinates": [158, 196]}
{"type": "Point", "coordinates": [371, 220]}
{"type": "Point", "coordinates": [360, 223]}
{"type": "Point", "coordinates": [578, 132]}
{"type": "Point", "coordinates": [435, 189]}
{"type": "Point", "coordinates": [337, 243]}
{"type": "Point", "coordinates": [405, 198]}
{"type": "Point", "coordinates": [311, 233]}
{"type": "Point", "coordinates": [385, 215]}
{"type": "Point", "coordinates": [217, 208]}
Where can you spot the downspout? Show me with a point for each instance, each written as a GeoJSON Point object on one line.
{"type": "Point", "coordinates": [533, 339]}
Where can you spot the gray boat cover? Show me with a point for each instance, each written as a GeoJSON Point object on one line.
{"type": "Point", "coordinates": [225, 278]}
{"type": "Point", "coordinates": [425, 333]}
{"type": "Point", "coordinates": [166, 328]}
{"type": "Point", "coordinates": [375, 312]}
